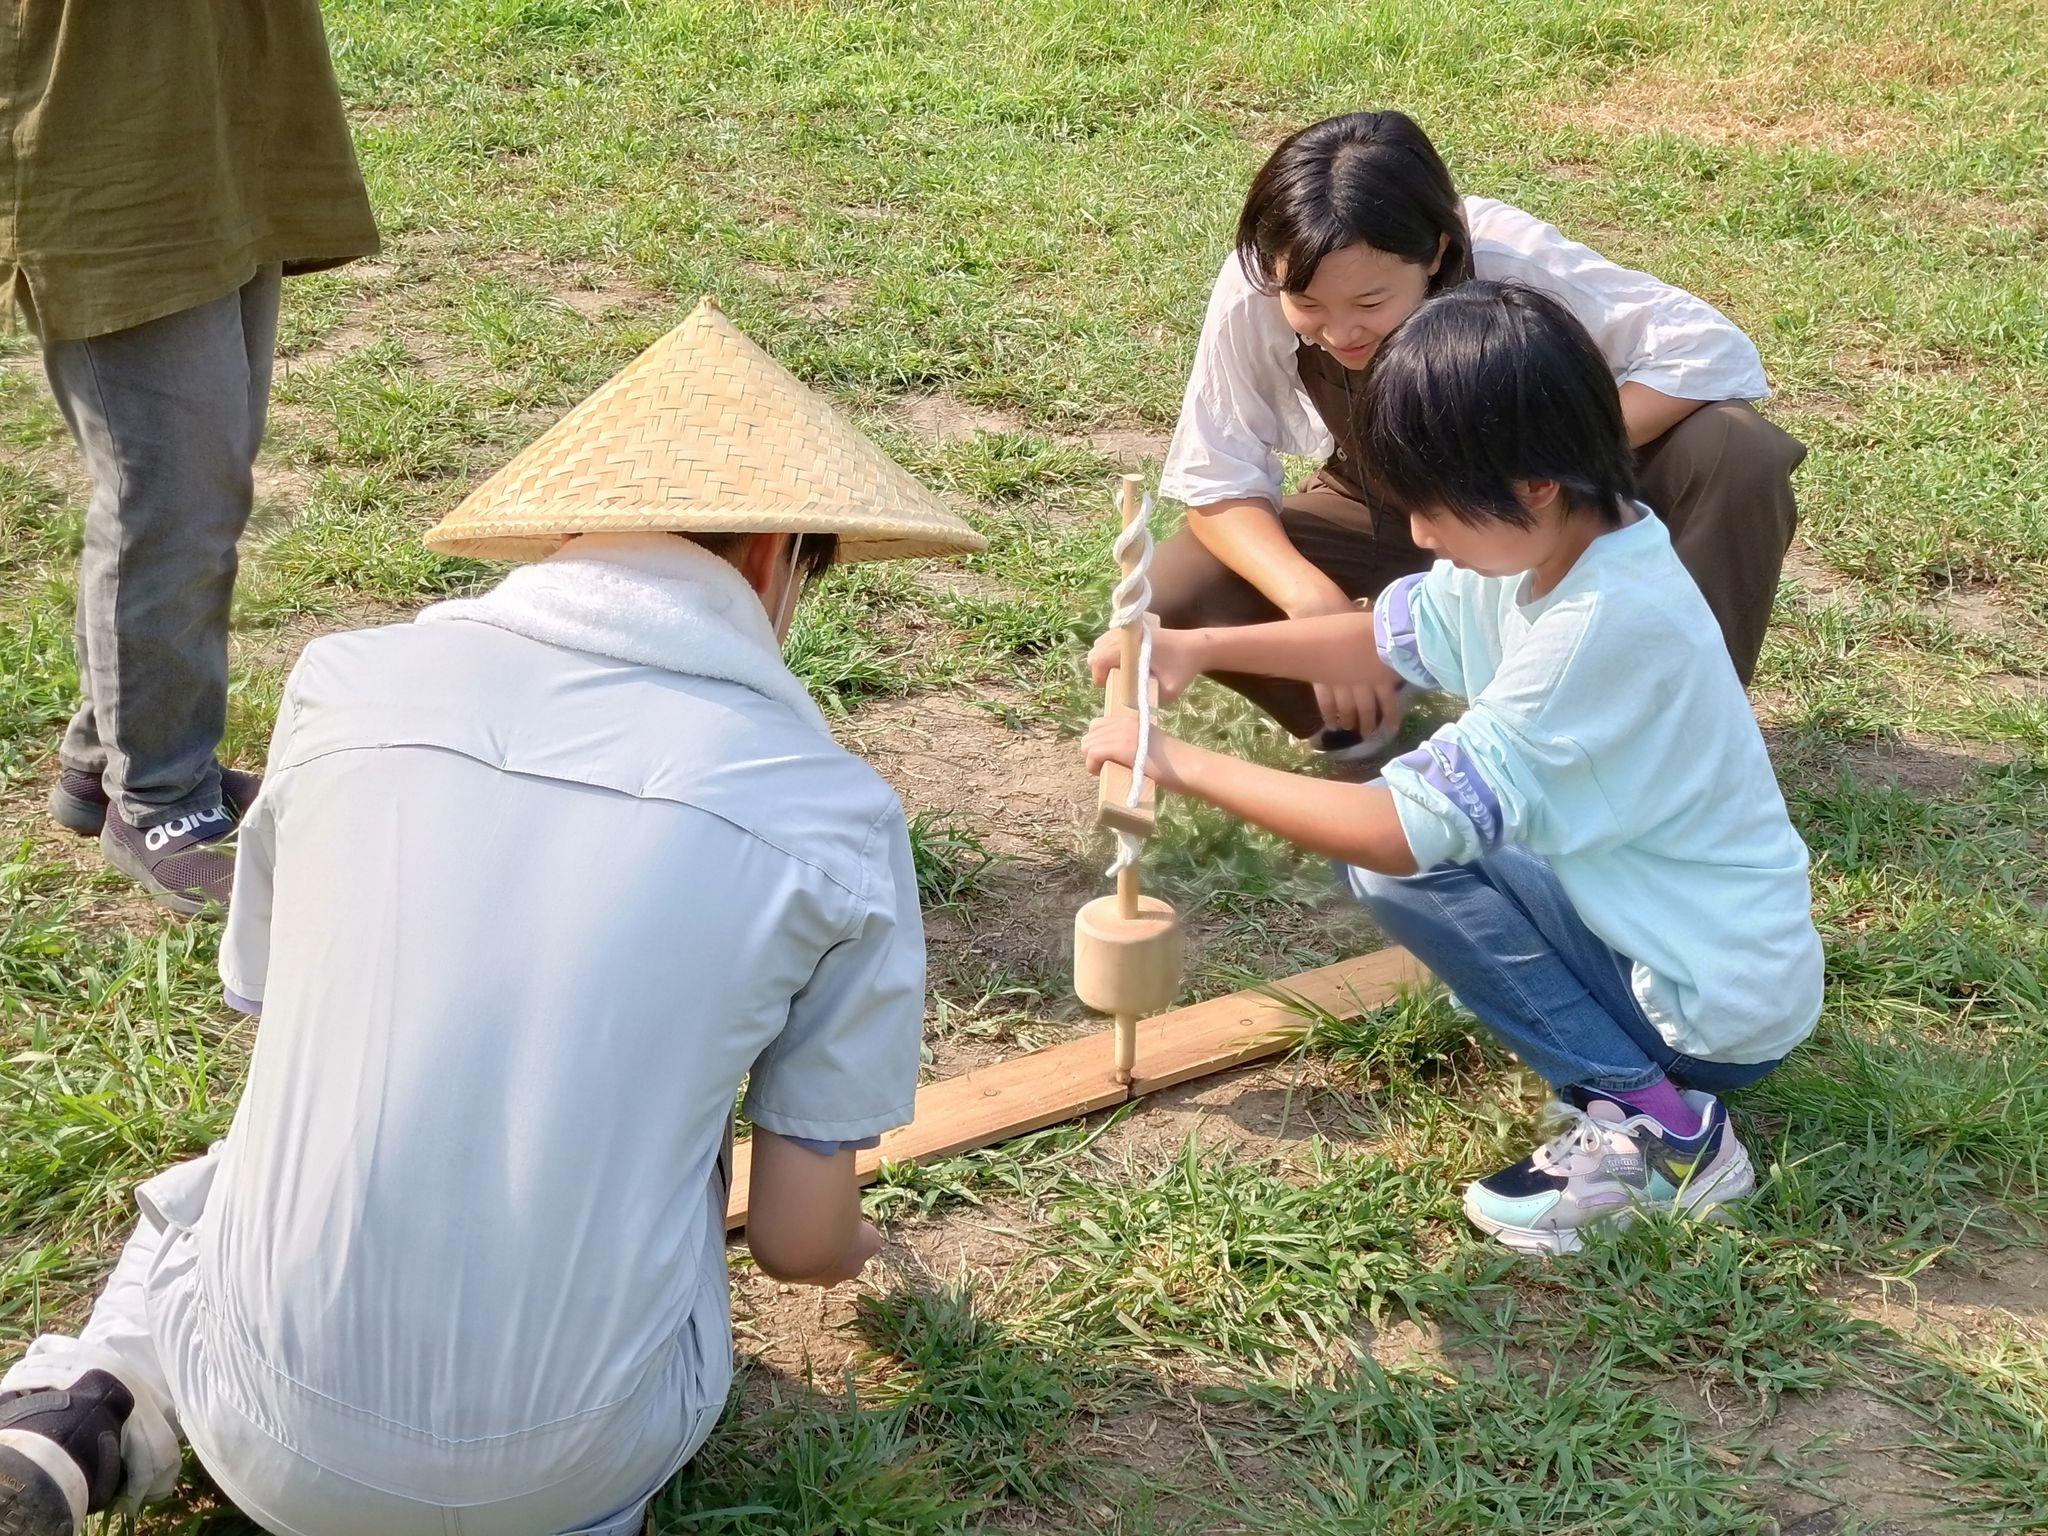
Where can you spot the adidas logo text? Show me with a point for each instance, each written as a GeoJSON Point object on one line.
{"type": "Point", "coordinates": [158, 838]}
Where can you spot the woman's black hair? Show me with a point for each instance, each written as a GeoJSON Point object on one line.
{"type": "Point", "coordinates": [1370, 177]}
{"type": "Point", "coordinates": [1483, 387]}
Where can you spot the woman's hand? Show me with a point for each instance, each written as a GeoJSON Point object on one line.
{"type": "Point", "coordinates": [1344, 706]}
{"type": "Point", "coordinates": [1114, 739]}
{"type": "Point", "coordinates": [1314, 596]}
{"type": "Point", "coordinates": [1176, 658]}
{"type": "Point", "coordinates": [1363, 707]}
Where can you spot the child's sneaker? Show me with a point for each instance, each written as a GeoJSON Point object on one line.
{"type": "Point", "coordinates": [60, 1454]}
{"type": "Point", "coordinates": [1608, 1163]}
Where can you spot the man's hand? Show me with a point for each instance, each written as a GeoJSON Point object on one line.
{"type": "Point", "coordinates": [1176, 659]}
{"type": "Point", "coordinates": [1115, 740]}
{"type": "Point", "coordinates": [803, 1220]}
{"type": "Point", "coordinates": [867, 1242]}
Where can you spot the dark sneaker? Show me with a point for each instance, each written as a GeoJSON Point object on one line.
{"type": "Point", "coordinates": [1349, 747]}
{"type": "Point", "coordinates": [1341, 746]}
{"type": "Point", "coordinates": [1608, 1163]}
{"type": "Point", "coordinates": [186, 863]}
{"type": "Point", "coordinates": [79, 801]}
{"type": "Point", "coordinates": [60, 1454]}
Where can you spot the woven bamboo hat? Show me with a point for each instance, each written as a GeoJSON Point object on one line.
{"type": "Point", "coordinates": [702, 433]}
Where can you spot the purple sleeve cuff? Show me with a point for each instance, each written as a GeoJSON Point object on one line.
{"type": "Point", "coordinates": [1393, 631]}
{"type": "Point", "coordinates": [833, 1148]}
{"type": "Point", "coordinates": [1443, 765]}
{"type": "Point", "coordinates": [242, 1004]}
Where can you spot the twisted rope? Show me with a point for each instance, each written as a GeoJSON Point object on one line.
{"type": "Point", "coordinates": [1130, 601]}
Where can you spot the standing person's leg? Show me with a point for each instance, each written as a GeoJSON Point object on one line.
{"type": "Point", "coordinates": [1359, 550]}
{"type": "Point", "coordinates": [1503, 936]}
{"type": "Point", "coordinates": [169, 416]}
{"type": "Point", "coordinates": [1722, 481]}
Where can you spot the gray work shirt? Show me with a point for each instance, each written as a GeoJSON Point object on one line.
{"type": "Point", "coordinates": [520, 919]}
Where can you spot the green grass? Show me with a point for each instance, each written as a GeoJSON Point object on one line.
{"type": "Point", "coordinates": [1551, 1448]}
{"type": "Point", "coordinates": [1006, 218]}
{"type": "Point", "coordinates": [1233, 1259]}
{"type": "Point", "coordinates": [951, 860]}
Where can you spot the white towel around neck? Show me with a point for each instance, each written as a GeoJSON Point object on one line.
{"type": "Point", "coordinates": [649, 598]}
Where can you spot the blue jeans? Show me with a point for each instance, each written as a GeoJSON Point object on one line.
{"type": "Point", "coordinates": [1501, 934]}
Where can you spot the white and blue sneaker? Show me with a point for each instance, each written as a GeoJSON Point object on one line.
{"type": "Point", "coordinates": [1608, 1163]}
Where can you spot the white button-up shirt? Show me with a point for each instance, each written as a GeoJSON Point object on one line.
{"type": "Point", "coordinates": [520, 919]}
{"type": "Point", "coordinates": [1245, 405]}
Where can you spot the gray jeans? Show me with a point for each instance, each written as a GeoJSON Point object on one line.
{"type": "Point", "coordinates": [169, 416]}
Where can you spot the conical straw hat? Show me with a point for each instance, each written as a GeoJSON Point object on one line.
{"type": "Point", "coordinates": [703, 433]}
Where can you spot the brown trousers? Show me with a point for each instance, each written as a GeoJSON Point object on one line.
{"type": "Point", "coordinates": [1721, 480]}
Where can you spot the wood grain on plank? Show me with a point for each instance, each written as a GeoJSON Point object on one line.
{"type": "Point", "coordinates": [1192, 1042]}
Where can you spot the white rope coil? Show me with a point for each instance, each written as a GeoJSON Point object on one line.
{"type": "Point", "coordinates": [1130, 603]}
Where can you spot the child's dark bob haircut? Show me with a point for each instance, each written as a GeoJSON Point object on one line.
{"type": "Point", "coordinates": [1368, 178]}
{"type": "Point", "coordinates": [1483, 387]}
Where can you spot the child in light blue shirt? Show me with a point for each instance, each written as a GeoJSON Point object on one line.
{"type": "Point", "coordinates": [1595, 856]}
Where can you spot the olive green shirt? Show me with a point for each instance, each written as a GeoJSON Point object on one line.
{"type": "Point", "coordinates": [156, 153]}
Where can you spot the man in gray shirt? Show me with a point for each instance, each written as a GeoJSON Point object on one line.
{"type": "Point", "coordinates": [533, 884]}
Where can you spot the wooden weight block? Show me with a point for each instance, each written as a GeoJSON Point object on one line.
{"type": "Point", "coordinates": [1127, 966]}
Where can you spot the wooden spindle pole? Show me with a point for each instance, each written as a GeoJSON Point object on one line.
{"type": "Point", "coordinates": [1122, 694]}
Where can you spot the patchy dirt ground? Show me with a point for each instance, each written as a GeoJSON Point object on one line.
{"type": "Point", "coordinates": [944, 419]}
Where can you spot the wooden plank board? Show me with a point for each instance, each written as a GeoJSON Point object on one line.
{"type": "Point", "coordinates": [1188, 1043]}
{"type": "Point", "coordinates": [1061, 1082]}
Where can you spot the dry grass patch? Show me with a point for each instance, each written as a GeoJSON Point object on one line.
{"type": "Point", "coordinates": [1803, 91]}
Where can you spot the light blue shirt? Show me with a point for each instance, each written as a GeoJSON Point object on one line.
{"type": "Point", "coordinates": [1609, 735]}
{"type": "Point", "coordinates": [520, 919]}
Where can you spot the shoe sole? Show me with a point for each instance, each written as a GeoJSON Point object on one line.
{"type": "Point", "coordinates": [118, 857]}
{"type": "Point", "coordinates": [1707, 1201]}
{"type": "Point", "coordinates": [31, 1503]}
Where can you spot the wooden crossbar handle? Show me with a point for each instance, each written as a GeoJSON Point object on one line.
{"type": "Point", "coordinates": [1113, 807]}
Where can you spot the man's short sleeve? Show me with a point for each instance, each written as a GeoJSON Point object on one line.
{"type": "Point", "coordinates": [245, 946]}
{"type": "Point", "coordinates": [845, 1065]}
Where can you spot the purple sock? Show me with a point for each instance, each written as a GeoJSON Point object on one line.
{"type": "Point", "coordinates": [1662, 1102]}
